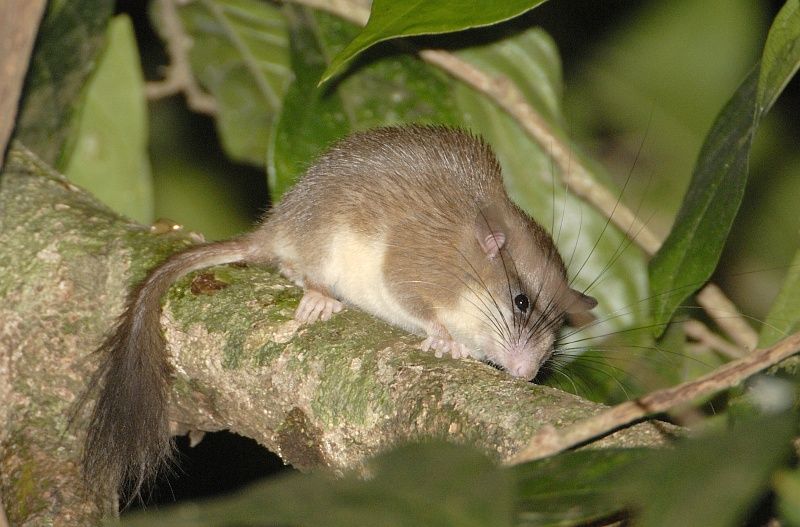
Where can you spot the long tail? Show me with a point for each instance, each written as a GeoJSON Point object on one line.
{"type": "Point", "coordinates": [128, 439]}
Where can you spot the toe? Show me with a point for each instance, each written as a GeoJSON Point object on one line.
{"type": "Point", "coordinates": [316, 306]}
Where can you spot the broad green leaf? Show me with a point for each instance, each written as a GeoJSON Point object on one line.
{"type": "Point", "coordinates": [390, 19]}
{"type": "Point", "coordinates": [311, 118]}
{"type": "Point", "coordinates": [594, 251]}
{"type": "Point", "coordinates": [712, 481]}
{"type": "Point", "coordinates": [787, 486]}
{"type": "Point", "coordinates": [784, 315]}
{"type": "Point", "coordinates": [385, 91]}
{"type": "Point", "coordinates": [430, 484]}
{"type": "Point", "coordinates": [110, 154]}
{"type": "Point", "coordinates": [571, 489]}
{"type": "Point", "coordinates": [70, 37]}
{"type": "Point", "coordinates": [781, 57]}
{"type": "Point", "coordinates": [692, 249]}
{"type": "Point", "coordinates": [240, 54]}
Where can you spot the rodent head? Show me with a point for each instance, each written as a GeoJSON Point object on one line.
{"type": "Point", "coordinates": [519, 292]}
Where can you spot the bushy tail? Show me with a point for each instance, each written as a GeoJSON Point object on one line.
{"type": "Point", "coordinates": [128, 439]}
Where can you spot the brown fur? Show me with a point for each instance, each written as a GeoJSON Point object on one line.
{"type": "Point", "coordinates": [428, 193]}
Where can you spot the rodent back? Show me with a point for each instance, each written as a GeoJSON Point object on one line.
{"type": "Point", "coordinates": [430, 195]}
{"type": "Point", "coordinates": [376, 178]}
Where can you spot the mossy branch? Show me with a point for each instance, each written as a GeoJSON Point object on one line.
{"type": "Point", "coordinates": [328, 395]}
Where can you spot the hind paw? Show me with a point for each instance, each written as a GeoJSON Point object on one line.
{"type": "Point", "coordinates": [316, 305]}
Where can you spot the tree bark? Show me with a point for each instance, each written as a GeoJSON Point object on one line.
{"type": "Point", "coordinates": [328, 395]}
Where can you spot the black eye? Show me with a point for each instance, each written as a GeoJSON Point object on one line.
{"type": "Point", "coordinates": [521, 301]}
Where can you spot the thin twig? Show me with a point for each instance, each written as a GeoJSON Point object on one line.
{"type": "Point", "coordinates": [178, 75]}
{"type": "Point", "coordinates": [355, 11]}
{"type": "Point", "coordinates": [719, 307]}
{"type": "Point", "coordinates": [551, 441]}
{"type": "Point", "coordinates": [698, 331]}
{"type": "Point", "coordinates": [505, 94]}
{"type": "Point", "coordinates": [3, 517]}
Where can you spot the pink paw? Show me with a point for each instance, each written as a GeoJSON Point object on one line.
{"type": "Point", "coordinates": [440, 346]}
{"type": "Point", "coordinates": [316, 306]}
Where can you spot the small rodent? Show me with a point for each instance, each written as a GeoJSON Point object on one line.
{"type": "Point", "coordinates": [411, 224]}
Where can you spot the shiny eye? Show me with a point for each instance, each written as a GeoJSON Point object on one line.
{"type": "Point", "coordinates": [521, 301]}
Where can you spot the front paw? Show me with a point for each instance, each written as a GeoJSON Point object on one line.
{"type": "Point", "coordinates": [440, 346]}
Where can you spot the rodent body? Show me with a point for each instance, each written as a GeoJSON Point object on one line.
{"type": "Point", "coordinates": [411, 224]}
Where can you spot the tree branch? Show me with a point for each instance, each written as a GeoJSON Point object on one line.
{"type": "Point", "coordinates": [726, 315]}
{"type": "Point", "coordinates": [551, 441]}
{"type": "Point", "coordinates": [327, 395]}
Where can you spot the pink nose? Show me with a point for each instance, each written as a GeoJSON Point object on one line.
{"type": "Point", "coordinates": [522, 370]}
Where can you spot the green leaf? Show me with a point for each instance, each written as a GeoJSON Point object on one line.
{"type": "Point", "coordinates": [781, 57]}
{"type": "Point", "coordinates": [429, 484]}
{"type": "Point", "coordinates": [110, 154]}
{"type": "Point", "coordinates": [693, 247]}
{"type": "Point", "coordinates": [712, 481]}
{"type": "Point", "coordinates": [311, 117]}
{"type": "Point", "coordinates": [572, 488]}
{"type": "Point", "coordinates": [388, 90]}
{"type": "Point", "coordinates": [240, 54]}
{"type": "Point", "coordinates": [71, 36]}
{"type": "Point", "coordinates": [787, 486]}
{"type": "Point", "coordinates": [592, 249]}
{"type": "Point", "coordinates": [390, 19]}
{"type": "Point", "coordinates": [784, 315]}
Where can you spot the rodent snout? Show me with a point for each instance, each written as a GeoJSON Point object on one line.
{"type": "Point", "coordinates": [524, 359]}
{"type": "Point", "coordinates": [520, 357]}
{"type": "Point", "coordinates": [523, 370]}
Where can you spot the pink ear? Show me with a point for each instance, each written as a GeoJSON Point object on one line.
{"type": "Point", "coordinates": [492, 243]}
{"type": "Point", "coordinates": [577, 302]}
{"type": "Point", "coordinates": [490, 230]}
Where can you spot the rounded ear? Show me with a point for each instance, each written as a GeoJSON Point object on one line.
{"type": "Point", "coordinates": [576, 302]}
{"type": "Point", "coordinates": [492, 242]}
{"type": "Point", "coordinates": [490, 231]}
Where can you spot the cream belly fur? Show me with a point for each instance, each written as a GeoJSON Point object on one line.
{"type": "Point", "coordinates": [462, 321]}
{"type": "Point", "coordinates": [354, 274]}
